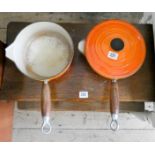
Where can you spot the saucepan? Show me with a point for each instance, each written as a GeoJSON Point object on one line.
{"type": "Point", "coordinates": [114, 49]}
{"type": "Point", "coordinates": [42, 51]}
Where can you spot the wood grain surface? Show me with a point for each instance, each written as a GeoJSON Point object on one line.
{"type": "Point", "coordinates": [137, 88]}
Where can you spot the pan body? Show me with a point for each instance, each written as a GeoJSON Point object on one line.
{"type": "Point", "coordinates": [42, 51]}
{"type": "Point", "coordinates": [115, 49]}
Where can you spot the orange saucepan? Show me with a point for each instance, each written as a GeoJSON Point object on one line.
{"type": "Point", "coordinates": [114, 49]}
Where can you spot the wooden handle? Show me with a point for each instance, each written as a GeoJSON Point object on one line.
{"type": "Point", "coordinates": [46, 108]}
{"type": "Point", "coordinates": [46, 100]}
{"type": "Point", "coordinates": [114, 105]}
{"type": "Point", "coordinates": [114, 97]}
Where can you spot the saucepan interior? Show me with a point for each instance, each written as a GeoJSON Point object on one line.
{"type": "Point", "coordinates": [48, 56]}
{"type": "Point", "coordinates": [46, 53]}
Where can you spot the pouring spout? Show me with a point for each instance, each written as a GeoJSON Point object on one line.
{"type": "Point", "coordinates": [9, 52]}
{"type": "Point", "coordinates": [81, 45]}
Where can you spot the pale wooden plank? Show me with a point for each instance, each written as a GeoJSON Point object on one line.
{"type": "Point", "coordinates": [84, 135]}
{"type": "Point", "coordinates": [3, 35]}
{"type": "Point", "coordinates": [80, 120]}
{"type": "Point", "coordinates": [146, 18]}
{"type": "Point", "coordinates": [5, 18]}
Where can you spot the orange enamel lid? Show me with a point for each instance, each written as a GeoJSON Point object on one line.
{"type": "Point", "coordinates": [115, 49]}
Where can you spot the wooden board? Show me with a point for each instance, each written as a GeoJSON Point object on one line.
{"type": "Point", "coordinates": [80, 106]}
{"type": "Point", "coordinates": [137, 88]}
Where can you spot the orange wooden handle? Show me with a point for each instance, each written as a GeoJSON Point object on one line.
{"type": "Point", "coordinates": [114, 97]}
{"type": "Point", "coordinates": [46, 100]}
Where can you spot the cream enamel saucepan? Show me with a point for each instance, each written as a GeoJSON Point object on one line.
{"type": "Point", "coordinates": [42, 51]}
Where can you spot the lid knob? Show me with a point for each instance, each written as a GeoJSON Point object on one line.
{"type": "Point", "coordinates": [117, 44]}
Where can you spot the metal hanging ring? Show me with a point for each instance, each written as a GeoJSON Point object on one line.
{"type": "Point", "coordinates": [114, 125]}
